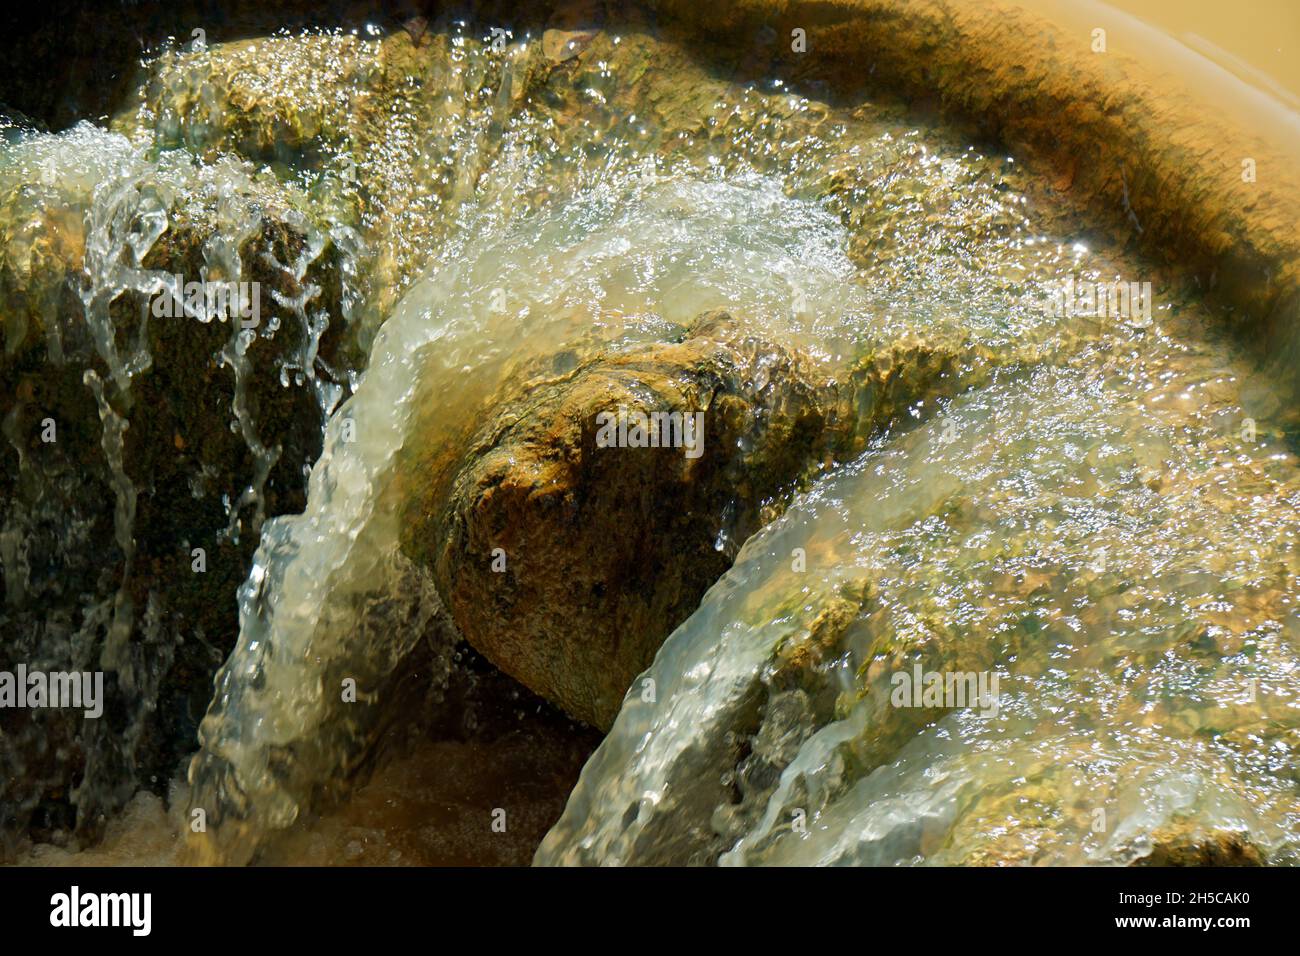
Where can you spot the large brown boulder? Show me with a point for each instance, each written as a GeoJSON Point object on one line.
{"type": "Point", "coordinates": [567, 561]}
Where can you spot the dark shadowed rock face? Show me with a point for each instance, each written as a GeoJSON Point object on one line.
{"type": "Point", "coordinates": [567, 561]}
{"type": "Point", "coordinates": [136, 468]}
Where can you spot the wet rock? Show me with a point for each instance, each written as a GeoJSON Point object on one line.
{"type": "Point", "coordinates": [829, 711]}
{"type": "Point", "coordinates": [567, 562]}
{"type": "Point", "coordinates": [1183, 846]}
{"type": "Point", "coordinates": [561, 45]}
{"type": "Point", "coordinates": [142, 452]}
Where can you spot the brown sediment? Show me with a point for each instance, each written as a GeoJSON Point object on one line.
{"type": "Point", "coordinates": [1116, 135]}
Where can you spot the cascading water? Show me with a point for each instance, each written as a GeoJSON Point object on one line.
{"type": "Point", "coordinates": [331, 586]}
{"type": "Point", "coordinates": [1067, 504]}
{"type": "Point", "coordinates": [125, 595]}
{"type": "Point", "coordinates": [1125, 565]}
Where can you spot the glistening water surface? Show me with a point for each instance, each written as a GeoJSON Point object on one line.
{"type": "Point", "coordinates": [1097, 535]}
{"type": "Point", "coordinates": [1099, 510]}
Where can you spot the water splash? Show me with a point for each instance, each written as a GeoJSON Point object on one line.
{"type": "Point", "coordinates": [331, 595]}
{"type": "Point", "coordinates": [1098, 536]}
{"type": "Point", "coordinates": [100, 227]}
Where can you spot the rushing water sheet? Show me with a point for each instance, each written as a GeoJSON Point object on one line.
{"type": "Point", "coordinates": [1098, 535]}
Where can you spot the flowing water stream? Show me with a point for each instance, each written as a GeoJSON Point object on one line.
{"type": "Point", "coordinates": [1097, 511]}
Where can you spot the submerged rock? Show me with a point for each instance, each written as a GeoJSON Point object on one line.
{"type": "Point", "coordinates": [394, 134]}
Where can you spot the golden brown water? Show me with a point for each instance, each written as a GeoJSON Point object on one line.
{"type": "Point", "coordinates": [1259, 42]}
